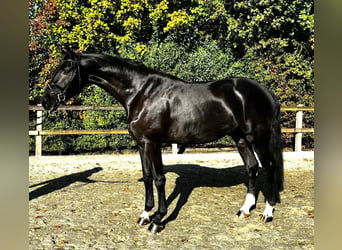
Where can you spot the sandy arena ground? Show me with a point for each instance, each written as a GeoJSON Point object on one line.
{"type": "Point", "coordinates": [92, 202]}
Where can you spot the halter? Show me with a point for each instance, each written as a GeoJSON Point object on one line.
{"type": "Point", "coordinates": [61, 96]}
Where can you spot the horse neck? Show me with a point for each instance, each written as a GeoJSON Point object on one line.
{"type": "Point", "coordinates": [112, 77]}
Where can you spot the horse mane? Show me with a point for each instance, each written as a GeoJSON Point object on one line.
{"type": "Point", "coordinates": [136, 66]}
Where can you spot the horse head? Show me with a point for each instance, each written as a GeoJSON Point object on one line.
{"type": "Point", "coordinates": [66, 82]}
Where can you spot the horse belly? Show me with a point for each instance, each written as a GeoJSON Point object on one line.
{"type": "Point", "coordinates": [197, 134]}
{"type": "Point", "coordinates": [202, 124]}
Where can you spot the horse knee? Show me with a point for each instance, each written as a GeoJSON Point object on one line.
{"type": "Point", "coordinates": [147, 179]}
{"type": "Point", "coordinates": [160, 181]}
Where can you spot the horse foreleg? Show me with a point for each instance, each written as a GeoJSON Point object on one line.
{"type": "Point", "coordinates": [144, 218]}
{"type": "Point", "coordinates": [157, 224]}
{"type": "Point", "coordinates": [152, 153]}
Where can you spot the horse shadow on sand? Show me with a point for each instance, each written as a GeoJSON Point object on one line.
{"type": "Point", "coordinates": [52, 185]}
{"type": "Point", "coordinates": [191, 176]}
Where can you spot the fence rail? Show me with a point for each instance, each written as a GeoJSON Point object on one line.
{"type": "Point", "coordinates": [39, 132]}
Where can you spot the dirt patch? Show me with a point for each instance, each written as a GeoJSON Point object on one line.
{"type": "Point", "coordinates": [92, 202]}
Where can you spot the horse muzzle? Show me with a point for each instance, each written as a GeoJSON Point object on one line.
{"type": "Point", "coordinates": [50, 101]}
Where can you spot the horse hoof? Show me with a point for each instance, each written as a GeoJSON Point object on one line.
{"type": "Point", "coordinates": [265, 218]}
{"type": "Point", "coordinates": [242, 214]}
{"type": "Point", "coordinates": [156, 228]}
{"type": "Point", "coordinates": [143, 221]}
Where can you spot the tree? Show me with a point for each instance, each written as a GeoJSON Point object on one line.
{"type": "Point", "coordinates": [197, 40]}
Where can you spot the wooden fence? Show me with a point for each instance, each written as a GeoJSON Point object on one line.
{"type": "Point", "coordinates": [39, 132]}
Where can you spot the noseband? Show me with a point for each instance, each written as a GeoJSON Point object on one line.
{"type": "Point", "coordinates": [61, 96]}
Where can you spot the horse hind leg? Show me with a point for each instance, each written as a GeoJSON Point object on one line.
{"type": "Point", "coordinates": [268, 188]}
{"type": "Point", "coordinates": [251, 164]}
{"type": "Point", "coordinates": [268, 146]}
{"type": "Point", "coordinates": [272, 182]}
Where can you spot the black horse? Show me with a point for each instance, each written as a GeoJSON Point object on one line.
{"type": "Point", "coordinates": [162, 108]}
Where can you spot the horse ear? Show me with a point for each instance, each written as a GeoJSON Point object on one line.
{"type": "Point", "coordinates": [69, 54]}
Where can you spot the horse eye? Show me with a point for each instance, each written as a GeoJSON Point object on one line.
{"type": "Point", "coordinates": [67, 69]}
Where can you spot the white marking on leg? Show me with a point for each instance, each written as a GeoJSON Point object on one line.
{"type": "Point", "coordinates": [247, 205]}
{"type": "Point", "coordinates": [259, 162]}
{"type": "Point", "coordinates": [144, 218]}
{"type": "Point", "coordinates": [145, 215]}
{"type": "Point", "coordinates": [268, 212]}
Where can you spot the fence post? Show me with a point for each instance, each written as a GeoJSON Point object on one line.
{"type": "Point", "coordinates": [174, 148]}
{"type": "Point", "coordinates": [39, 129]}
{"type": "Point", "coordinates": [299, 125]}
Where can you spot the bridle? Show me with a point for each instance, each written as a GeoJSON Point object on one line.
{"type": "Point", "coordinates": [61, 96]}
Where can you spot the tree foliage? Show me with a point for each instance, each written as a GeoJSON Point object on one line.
{"type": "Point", "coordinates": [197, 40]}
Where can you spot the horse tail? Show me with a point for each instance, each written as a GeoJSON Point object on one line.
{"type": "Point", "coordinates": [276, 150]}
